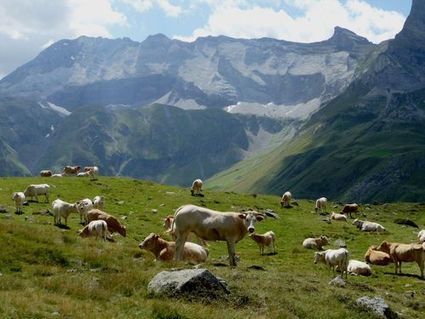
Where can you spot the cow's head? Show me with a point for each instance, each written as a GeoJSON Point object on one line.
{"type": "Point", "coordinates": [250, 218]}
{"type": "Point", "coordinates": [319, 257]}
{"type": "Point", "coordinates": [149, 242]}
{"type": "Point", "coordinates": [168, 221]}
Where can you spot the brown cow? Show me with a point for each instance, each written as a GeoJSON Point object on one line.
{"type": "Point", "coordinates": [71, 170]}
{"type": "Point", "coordinates": [46, 173]}
{"type": "Point", "coordinates": [266, 239]}
{"type": "Point", "coordinates": [350, 208]}
{"type": "Point", "coordinates": [113, 224]}
{"type": "Point", "coordinates": [404, 253]}
{"type": "Point", "coordinates": [376, 257]}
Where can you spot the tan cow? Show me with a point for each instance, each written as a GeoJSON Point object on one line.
{"type": "Point", "coordinates": [349, 209]}
{"type": "Point", "coordinates": [46, 173]}
{"type": "Point", "coordinates": [165, 250]}
{"type": "Point", "coordinates": [376, 257]}
{"type": "Point", "coordinates": [113, 224]}
{"type": "Point", "coordinates": [340, 217]}
{"type": "Point", "coordinates": [71, 170]}
{"type": "Point", "coordinates": [316, 243]}
{"type": "Point", "coordinates": [404, 253]}
{"type": "Point", "coordinates": [266, 239]}
{"type": "Point", "coordinates": [168, 225]}
{"type": "Point", "coordinates": [209, 225]}
{"type": "Point", "coordinates": [285, 201]}
{"type": "Point", "coordinates": [96, 228]}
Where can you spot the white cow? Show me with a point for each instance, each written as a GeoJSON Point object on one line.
{"type": "Point", "coordinates": [19, 199]}
{"type": "Point", "coordinates": [340, 217]}
{"type": "Point", "coordinates": [321, 204]}
{"type": "Point", "coordinates": [97, 228]}
{"type": "Point", "coordinates": [368, 226]}
{"type": "Point", "coordinates": [356, 267]}
{"type": "Point", "coordinates": [84, 206]}
{"type": "Point", "coordinates": [196, 187]}
{"type": "Point", "coordinates": [333, 258]}
{"type": "Point", "coordinates": [212, 225]}
{"type": "Point", "coordinates": [421, 236]}
{"type": "Point", "coordinates": [34, 190]}
{"type": "Point", "coordinates": [62, 209]}
{"type": "Point", "coordinates": [99, 202]}
{"type": "Point", "coordinates": [285, 201]}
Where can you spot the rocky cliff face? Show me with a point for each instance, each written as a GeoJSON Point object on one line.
{"type": "Point", "coordinates": [283, 78]}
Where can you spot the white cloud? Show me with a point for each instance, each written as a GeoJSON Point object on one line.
{"type": "Point", "coordinates": [169, 8]}
{"type": "Point", "coordinates": [245, 19]}
{"type": "Point", "coordinates": [27, 26]}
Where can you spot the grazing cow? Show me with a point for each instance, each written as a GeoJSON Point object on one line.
{"type": "Point", "coordinates": [404, 253]}
{"type": "Point", "coordinates": [285, 201]}
{"type": "Point", "coordinates": [316, 243]}
{"type": "Point", "coordinates": [97, 228]}
{"type": "Point", "coordinates": [165, 250]}
{"type": "Point", "coordinates": [209, 224]}
{"type": "Point", "coordinates": [196, 187]}
{"type": "Point", "coordinates": [46, 173]}
{"type": "Point", "coordinates": [19, 199]}
{"type": "Point", "coordinates": [84, 206]}
{"type": "Point", "coordinates": [333, 258]}
{"type": "Point", "coordinates": [266, 239]}
{"type": "Point", "coordinates": [99, 202]}
{"type": "Point", "coordinates": [421, 236]}
{"type": "Point", "coordinates": [113, 224]}
{"type": "Point", "coordinates": [71, 170]}
{"type": "Point", "coordinates": [350, 208]}
{"type": "Point", "coordinates": [340, 217]}
{"type": "Point", "coordinates": [34, 190]}
{"type": "Point", "coordinates": [376, 257]}
{"type": "Point", "coordinates": [62, 209]}
{"type": "Point", "coordinates": [368, 226]}
{"type": "Point", "coordinates": [321, 204]}
{"type": "Point", "coordinates": [358, 268]}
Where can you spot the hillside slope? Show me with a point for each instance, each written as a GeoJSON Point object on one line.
{"type": "Point", "coordinates": [366, 144]}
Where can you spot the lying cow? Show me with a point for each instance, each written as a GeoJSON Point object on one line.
{"type": "Point", "coordinates": [212, 225]}
{"type": "Point", "coordinates": [376, 257]}
{"type": "Point", "coordinates": [71, 170]}
{"type": "Point", "coordinates": [265, 240]}
{"type": "Point", "coordinates": [316, 243]}
{"type": "Point", "coordinates": [404, 253]}
{"type": "Point", "coordinates": [340, 217]}
{"type": "Point", "coordinates": [165, 250]}
{"type": "Point", "coordinates": [113, 224]}
{"type": "Point", "coordinates": [349, 209]}
{"type": "Point", "coordinates": [368, 226]}
{"type": "Point", "coordinates": [34, 190]}
{"type": "Point", "coordinates": [358, 268]}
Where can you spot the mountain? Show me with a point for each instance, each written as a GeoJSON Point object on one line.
{"type": "Point", "coordinates": [262, 76]}
{"type": "Point", "coordinates": [366, 144]}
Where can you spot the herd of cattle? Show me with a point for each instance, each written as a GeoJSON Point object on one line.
{"type": "Point", "coordinates": [88, 171]}
{"type": "Point", "coordinates": [231, 227]}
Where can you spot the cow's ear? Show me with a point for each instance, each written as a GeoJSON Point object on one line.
{"type": "Point", "coordinates": [242, 216]}
{"type": "Point", "coordinates": [259, 218]}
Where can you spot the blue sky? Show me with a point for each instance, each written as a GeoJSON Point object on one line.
{"type": "Point", "coordinates": [27, 27]}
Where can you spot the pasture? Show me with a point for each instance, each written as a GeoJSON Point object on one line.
{"type": "Point", "coordinates": [49, 272]}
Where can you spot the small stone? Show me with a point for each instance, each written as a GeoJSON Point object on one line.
{"type": "Point", "coordinates": [337, 282]}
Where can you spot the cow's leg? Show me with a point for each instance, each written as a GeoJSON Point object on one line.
{"type": "Point", "coordinates": [180, 241]}
{"type": "Point", "coordinates": [232, 252]}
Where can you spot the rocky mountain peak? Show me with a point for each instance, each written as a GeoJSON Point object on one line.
{"type": "Point", "coordinates": [412, 34]}
{"type": "Point", "coordinates": [345, 39]}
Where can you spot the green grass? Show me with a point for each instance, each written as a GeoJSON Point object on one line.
{"type": "Point", "coordinates": [47, 272]}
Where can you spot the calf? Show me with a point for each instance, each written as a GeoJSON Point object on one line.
{"type": "Point", "coordinates": [404, 253]}
{"type": "Point", "coordinates": [165, 250]}
{"type": "Point", "coordinates": [333, 258]}
{"type": "Point", "coordinates": [19, 199]}
{"type": "Point", "coordinates": [266, 239]}
{"type": "Point", "coordinates": [97, 228]}
{"type": "Point", "coordinates": [209, 225]}
{"type": "Point", "coordinates": [84, 206]}
{"type": "Point", "coordinates": [315, 243]}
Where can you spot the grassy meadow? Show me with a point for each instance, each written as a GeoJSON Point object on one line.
{"type": "Point", "coordinates": [49, 272]}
